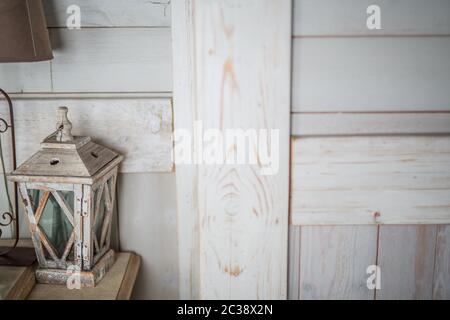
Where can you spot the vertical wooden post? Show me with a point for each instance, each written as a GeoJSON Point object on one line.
{"type": "Point", "coordinates": [231, 64]}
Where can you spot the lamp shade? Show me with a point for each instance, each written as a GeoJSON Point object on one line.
{"type": "Point", "coordinates": [23, 32]}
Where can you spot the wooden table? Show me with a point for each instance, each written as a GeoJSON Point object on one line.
{"type": "Point", "coordinates": [19, 283]}
{"type": "Point", "coordinates": [118, 284]}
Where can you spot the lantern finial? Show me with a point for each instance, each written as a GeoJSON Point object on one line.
{"type": "Point", "coordinates": [63, 126]}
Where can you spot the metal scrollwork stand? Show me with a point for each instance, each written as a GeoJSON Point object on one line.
{"type": "Point", "coordinates": [12, 255]}
{"type": "Point", "coordinates": [7, 218]}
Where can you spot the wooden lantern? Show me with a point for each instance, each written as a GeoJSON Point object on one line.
{"type": "Point", "coordinates": [68, 189]}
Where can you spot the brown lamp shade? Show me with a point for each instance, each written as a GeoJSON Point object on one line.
{"type": "Point", "coordinates": [23, 32]}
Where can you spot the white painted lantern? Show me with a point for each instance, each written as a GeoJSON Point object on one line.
{"type": "Point", "coordinates": [68, 189]}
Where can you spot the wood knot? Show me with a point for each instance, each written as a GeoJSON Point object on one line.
{"type": "Point", "coordinates": [376, 215]}
{"type": "Point", "coordinates": [234, 271]}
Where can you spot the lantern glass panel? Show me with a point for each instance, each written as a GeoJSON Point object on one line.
{"type": "Point", "coordinates": [53, 221]}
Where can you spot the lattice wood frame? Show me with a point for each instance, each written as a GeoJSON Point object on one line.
{"type": "Point", "coordinates": [40, 240]}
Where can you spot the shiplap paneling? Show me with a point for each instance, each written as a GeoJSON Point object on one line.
{"type": "Point", "coordinates": [371, 180]}
{"type": "Point", "coordinates": [111, 60]}
{"type": "Point", "coordinates": [333, 261]}
{"type": "Point", "coordinates": [232, 62]}
{"type": "Point", "coordinates": [441, 281]}
{"type": "Point", "coordinates": [147, 222]}
{"type": "Point", "coordinates": [406, 259]}
{"type": "Point", "coordinates": [138, 128]}
{"type": "Point", "coordinates": [344, 124]}
{"type": "Point", "coordinates": [110, 13]}
{"type": "Point", "coordinates": [348, 17]}
{"type": "Point", "coordinates": [25, 77]}
{"type": "Point", "coordinates": [371, 74]}
{"type": "Point", "coordinates": [294, 263]}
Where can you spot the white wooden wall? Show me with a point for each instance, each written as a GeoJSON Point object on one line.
{"type": "Point", "coordinates": [368, 92]}
{"type": "Point", "coordinates": [115, 76]}
{"type": "Point", "coordinates": [232, 71]}
{"type": "Point", "coordinates": [370, 125]}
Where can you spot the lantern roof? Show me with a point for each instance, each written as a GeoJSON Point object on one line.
{"type": "Point", "coordinates": [63, 156]}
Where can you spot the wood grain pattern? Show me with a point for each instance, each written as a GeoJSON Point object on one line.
{"type": "Point", "coordinates": [110, 13]}
{"type": "Point", "coordinates": [334, 260]}
{"type": "Point", "coordinates": [184, 103]}
{"type": "Point", "coordinates": [345, 124]}
{"type": "Point", "coordinates": [441, 281]}
{"type": "Point", "coordinates": [371, 180]}
{"type": "Point", "coordinates": [294, 262]}
{"type": "Point", "coordinates": [239, 62]}
{"type": "Point", "coordinates": [371, 74]}
{"type": "Point", "coordinates": [406, 258]}
{"type": "Point", "coordinates": [348, 17]}
{"type": "Point", "coordinates": [140, 129]}
{"type": "Point", "coordinates": [111, 60]}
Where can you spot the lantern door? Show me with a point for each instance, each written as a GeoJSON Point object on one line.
{"type": "Point", "coordinates": [53, 212]}
{"type": "Point", "coordinates": [98, 209]}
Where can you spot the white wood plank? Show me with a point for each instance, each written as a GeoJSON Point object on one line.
{"type": "Point", "coordinates": [25, 77]}
{"type": "Point", "coordinates": [371, 74]}
{"type": "Point", "coordinates": [140, 129]}
{"type": "Point", "coordinates": [441, 281]}
{"type": "Point", "coordinates": [111, 60]}
{"type": "Point", "coordinates": [148, 224]}
{"type": "Point", "coordinates": [343, 124]}
{"type": "Point", "coordinates": [294, 262]}
{"type": "Point", "coordinates": [334, 261]}
{"type": "Point", "coordinates": [406, 260]}
{"type": "Point", "coordinates": [348, 17]}
{"type": "Point", "coordinates": [371, 180]}
{"type": "Point", "coordinates": [235, 61]}
{"type": "Point", "coordinates": [184, 102]}
{"type": "Point", "coordinates": [110, 13]}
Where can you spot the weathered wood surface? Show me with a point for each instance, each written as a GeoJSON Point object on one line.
{"type": "Point", "coordinates": [116, 284]}
{"type": "Point", "coordinates": [87, 279]}
{"type": "Point", "coordinates": [148, 226]}
{"type": "Point", "coordinates": [441, 280]}
{"type": "Point", "coordinates": [111, 60]}
{"type": "Point", "coordinates": [371, 180]}
{"type": "Point", "coordinates": [332, 261]}
{"type": "Point", "coordinates": [348, 18]}
{"type": "Point", "coordinates": [294, 262]}
{"type": "Point", "coordinates": [233, 59]}
{"type": "Point", "coordinates": [346, 124]}
{"type": "Point", "coordinates": [110, 13]}
{"type": "Point", "coordinates": [97, 60]}
{"type": "Point", "coordinates": [360, 74]}
{"type": "Point", "coordinates": [25, 77]}
{"type": "Point", "coordinates": [338, 69]}
{"type": "Point", "coordinates": [406, 258]}
{"type": "Point", "coordinates": [140, 129]}
{"type": "Point", "coordinates": [184, 104]}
